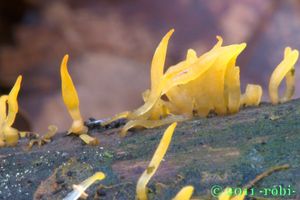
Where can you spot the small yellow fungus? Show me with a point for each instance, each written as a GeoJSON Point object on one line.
{"type": "Point", "coordinates": [252, 95]}
{"type": "Point", "coordinates": [52, 130]}
{"type": "Point", "coordinates": [89, 140]}
{"type": "Point", "coordinates": [185, 193]}
{"type": "Point", "coordinates": [71, 100]}
{"type": "Point", "coordinates": [226, 195]}
{"type": "Point", "coordinates": [284, 69]}
{"type": "Point", "coordinates": [141, 189]}
{"type": "Point", "coordinates": [79, 190]}
{"type": "Point", "coordinates": [3, 100]}
{"type": "Point", "coordinates": [8, 135]}
{"type": "Point", "coordinates": [24, 134]}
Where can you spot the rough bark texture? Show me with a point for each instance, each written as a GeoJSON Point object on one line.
{"type": "Point", "coordinates": [225, 151]}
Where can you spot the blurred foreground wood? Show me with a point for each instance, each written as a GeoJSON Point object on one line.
{"type": "Point", "coordinates": [224, 151]}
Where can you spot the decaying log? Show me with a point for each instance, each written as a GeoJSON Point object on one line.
{"type": "Point", "coordinates": [225, 151]}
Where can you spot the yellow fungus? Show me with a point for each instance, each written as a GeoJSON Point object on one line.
{"type": "Point", "coordinates": [2, 143]}
{"type": "Point", "coordinates": [3, 100]}
{"type": "Point", "coordinates": [252, 95]}
{"type": "Point", "coordinates": [52, 130]}
{"type": "Point", "coordinates": [197, 86]}
{"type": "Point", "coordinates": [157, 68]}
{"type": "Point", "coordinates": [89, 140]}
{"type": "Point", "coordinates": [194, 86]}
{"type": "Point", "coordinates": [141, 190]}
{"type": "Point", "coordinates": [71, 100]}
{"type": "Point", "coordinates": [232, 89]}
{"type": "Point", "coordinates": [189, 98]}
{"type": "Point", "coordinates": [151, 123]}
{"type": "Point", "coordinates": [116, 117]}
{"type": "Point", "coordinates": [158, 61]}
{"type": "Point", "coordinates": [9, 136]}
{"type": "Point", "coordinates": [79, 190]}
{"type": "Point", "coordinates": [13, 102]}
{"type": "Point", "coordinates": [227, 195]}
{"type": "Point", "coordinates": [284, 69]}
{"type": "Point", "coordinates": [185, 193]}
{"type": "Point", "coordinates": [23, 134]}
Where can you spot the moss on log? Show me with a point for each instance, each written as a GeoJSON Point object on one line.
{"type": "Point", "coordinates": [225, 151]}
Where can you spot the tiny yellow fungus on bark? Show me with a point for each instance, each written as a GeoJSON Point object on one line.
{"type": "Point", "coordinates": [9, 136]}
{"type": "Point", "coordinates": [185, 193]}
{"type": "Point", "coordinates": [52, 130]}
{"type": "Point", "coordinates": [141, 189]}
{"type": "Point", "coordinates": [79, 190]}
{"type": "Point", "coordinates": [226, 195]}
{"type": "Point", "coordinates": [252, 95]}
{"type": "Point", "coordinates": [71, 99]}
{"type": "Point", "coordinates": [284, 69]}
{"type": "Point", "coordinates": [89, 140]}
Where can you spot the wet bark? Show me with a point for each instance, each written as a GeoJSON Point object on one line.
{"type": "Point", "coordinates": [224, 151]}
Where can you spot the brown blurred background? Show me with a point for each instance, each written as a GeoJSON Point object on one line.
{"type": "Point", "coordinates": [111, 43]}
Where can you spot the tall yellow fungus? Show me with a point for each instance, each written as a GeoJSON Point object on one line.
{"type": "Point", "coordinates": [284, 69]}
{"type": "Point", "coordinates": [71, 100]}
{"type": "Point", "coordinates": [141, 188]}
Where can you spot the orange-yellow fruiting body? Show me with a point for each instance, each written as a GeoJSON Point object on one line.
{"type": "Point", "coordinates": [89, 140]}
{"type": "Point", "coordinates": [185, 193]}
{"type": "Point", "coordinates": [227, 195]}
{"type": "Point", "coordinates": [12, 102]}
{"type": "Point", "coordinates": [8, 135]}
{"type": "Point", "coordinates": [141, 189]}
{"type": "Point", "coordinates": [79, 190]}
{"type": "Point", "coordinates": [284, 69]}
{"type": "Point", "coordinates": [71, 100]}
{"type": "Point", "coordinates": [194, 86]}
{"type": "Point", "coordinates": [252, 95]}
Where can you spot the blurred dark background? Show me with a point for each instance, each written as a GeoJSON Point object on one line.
{"type": "Point", "coordinates": [111, 43]}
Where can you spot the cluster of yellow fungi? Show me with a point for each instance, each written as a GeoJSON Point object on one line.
{"type": "Point", "coordinates": [197, 86]}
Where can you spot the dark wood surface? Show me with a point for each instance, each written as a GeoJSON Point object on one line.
{"type": "Point", "coordinates": [226, 151]}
